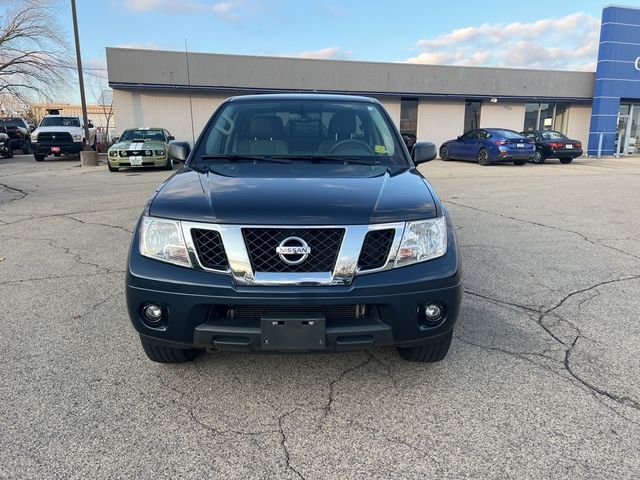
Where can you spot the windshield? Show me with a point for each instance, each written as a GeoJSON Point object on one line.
{"type": "Point", "coordinates": [60, 122]}
{"type": "Point", "coordinates": [509, 134]}
{"type": "Point", "coordinates": [301, 130]}
{"type": "Point", "coordinates": [11, 122]}
{"type": "Point", "coordinates": [551, 135]}
{"type": "Point", "coordinates": [142, 134]}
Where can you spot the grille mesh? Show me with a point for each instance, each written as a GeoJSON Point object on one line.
{"type": "Point", "coordinates": [59, 137]}
{"type": "Point", "coordinates": [331, 312]}
{"type": "Point", "coordinates": [209, 248]}
{"type": "Point", "coordinates": [262, 242]}
{"type": "Point", "coordinates": [375, 249]}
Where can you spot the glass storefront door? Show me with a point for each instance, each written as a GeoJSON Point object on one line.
{"type": "Point", "coordinates": [628, 138]}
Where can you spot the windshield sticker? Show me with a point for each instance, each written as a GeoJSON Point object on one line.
{"type": "Point", "coordinates": [380, 149]}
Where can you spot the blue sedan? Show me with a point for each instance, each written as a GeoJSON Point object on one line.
{"type": "Point", "coordinates": [489, 145]}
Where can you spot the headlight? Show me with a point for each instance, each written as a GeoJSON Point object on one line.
{"type": "Point", "coordinates": [158, 153]}
{"type": "Point", "coordinates": [162, 239]}
{"type": "Point", "coordinates": [113, 153]}
{"type": "Point", "coordinates": [77, 137]}
{"type": "Point", "coordinates": [34, 137]}
{"type": "Point", "coordinates": [422, 240]}
{"type": "Point", "coordinates": [123, 153]}
{"type": "Point", "coordinates": [147, 153]}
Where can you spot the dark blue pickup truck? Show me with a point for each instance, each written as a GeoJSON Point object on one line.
{"type": "Point", "coordinates": [299, 222]}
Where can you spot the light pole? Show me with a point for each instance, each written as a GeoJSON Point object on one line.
{"type": "Point", "coordinates": [80, 77]}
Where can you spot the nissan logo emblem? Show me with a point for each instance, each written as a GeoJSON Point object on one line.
{"type": "Point", "coordinates": [293, 250]}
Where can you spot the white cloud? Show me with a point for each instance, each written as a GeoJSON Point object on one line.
{"type": "Point", "coordinates": [569, 42]}
{"type": "Point", "coordinates": [142, 45]}
{"type": "Point", "coordinates": [224, 10]}
{"type": "Point", "coordinates": [334, 53]}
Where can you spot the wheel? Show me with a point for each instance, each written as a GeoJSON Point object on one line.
{"type": "Point", "coordinates": [39, 157]}
{"type": "Point", "coordinates": [112, 169]}
{"type": "Point", "coordinates": [538, 157]}
{"type": "Point", "coordinates": [483, 157]}
{"type": "Point", "coordinates": [357, 144]}
{"type": "Point", "coordinates": [8, 153]}
{"type": "Point", "coordinates": [566, 160]}
{"type": "Point", "coordinates": [161, 354]}
{"type": "Point", "coordinates": [444, 153]}
{"type": "Point", "coordinates": [519, 162]}
{"type": "Point", "coordinates": [427, 353]}
{"type": "Point", "coordinates": [169, 165]}
{"type": "Point", "coordinates": [26, 150]}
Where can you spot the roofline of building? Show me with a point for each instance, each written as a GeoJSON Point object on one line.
{"type": "Point", "coordinates": [251, 90]}
{"type": "Point", "coordinates": [400, 64]}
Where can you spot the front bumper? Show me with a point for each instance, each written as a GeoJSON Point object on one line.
{"type": "Point", "coordinates": [151, 161]}
{"type": "Point", "coordinates": [196, 304]}
{"type": "Point", "coordinates": [66, 148]}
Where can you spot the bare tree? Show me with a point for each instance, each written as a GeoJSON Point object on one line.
{"type": "Point", "coordinates": [34, 57]}
{"type": "Point", "coordinates": [104, 99]}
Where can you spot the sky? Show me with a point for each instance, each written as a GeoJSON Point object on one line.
{"type": "Point", "coordinates": [542, 34]}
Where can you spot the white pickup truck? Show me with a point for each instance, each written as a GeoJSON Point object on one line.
{"type": "Point", "coordinates": [61, 135]}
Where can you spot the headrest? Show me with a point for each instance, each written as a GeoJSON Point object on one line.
{"type": "Point", "coordinates": [266, 127]}
{"type": "Point", "coordinates": [343, 123]}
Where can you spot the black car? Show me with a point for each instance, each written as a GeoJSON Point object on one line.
{"type": "Point", "coordinates": [553, 144]}
{"type": "Point", "coordinates": [298, 223]}
{"type": "Point", "coordinates": [18, 130]}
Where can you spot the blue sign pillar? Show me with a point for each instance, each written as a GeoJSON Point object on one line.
{"type": "Point", "coordinates": [617, 74]}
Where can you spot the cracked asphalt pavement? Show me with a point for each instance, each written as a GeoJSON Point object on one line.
{"type": "Point", "coordinates": [542, 379]}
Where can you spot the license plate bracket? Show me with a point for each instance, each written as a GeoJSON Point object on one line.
{"type": "Point", "coordinates": [292, 332]}
{"type": "Point", "coordinates": [55, 149]}
{"type": "Point", "coordinates": [520, 145]}
{"type": "Point", "coordinates": [135, 161]}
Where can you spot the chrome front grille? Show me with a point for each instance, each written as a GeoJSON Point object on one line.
{"type": "Point", "coordinates": [330, 255]}
{"type": "Point", "coordinates": [261, 244]}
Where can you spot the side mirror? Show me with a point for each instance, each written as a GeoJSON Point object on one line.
{"type": "Point", "coordinates": [424, 152]}
{"type": "Point", "coordinates": [459, 137]}
{"type": "Point", "coordinates": [170, 138]}
{"type": "Point", "coordinates": [115, 139]}
{"type": "Point", "coordinates": [179, 151]}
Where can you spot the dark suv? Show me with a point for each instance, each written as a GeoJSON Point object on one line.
{"type": "Point", "coordinates": [18, 131]}
{"type": "Point", "coordinates": [298, 223]}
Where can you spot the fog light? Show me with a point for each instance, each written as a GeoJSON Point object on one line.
{"type": "Point", "coordinates": [152, 313]}
{"type": "Point", "coordinates": [432, 312]}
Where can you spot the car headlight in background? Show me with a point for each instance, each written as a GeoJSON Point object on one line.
{"type": "Point", "coordinates": [161, 239]}
{"type": "Point", "coordinates": [158, 153]}
{"type": "Point", "coordinates": [422, 240]}
{"type": "Point", "coordinates": [113, 153]}
{"type": "Point", "coordinates": [77, 137]}
{"type": "Point", "coordinates": [34, 137]}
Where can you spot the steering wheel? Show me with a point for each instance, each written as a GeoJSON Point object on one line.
{"type": "Point", "coordinates": [355, 144]}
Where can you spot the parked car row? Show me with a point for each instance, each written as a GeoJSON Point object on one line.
{"type": "Point", "coordinates": [501, 145]}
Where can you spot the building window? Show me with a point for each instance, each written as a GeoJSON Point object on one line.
{"type": "Point", "coordinates": [545, 116]}
{"type": "Point", "coordinates": [409, 116]}
{"type": "Point", "coordinates": [472, 115]}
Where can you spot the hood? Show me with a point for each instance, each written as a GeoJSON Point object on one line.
{"type": "Point", "coordinates": [306, 194]}
{"type": "Point", "coordinates": [148, 145]}
{"type": "Point", "coordinates": [71, 130]}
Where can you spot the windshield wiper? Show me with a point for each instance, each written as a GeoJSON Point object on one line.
{"type": "Point", "coordinates": [330, 158]}
{"type": "Point", "coordinates": [255, 158]}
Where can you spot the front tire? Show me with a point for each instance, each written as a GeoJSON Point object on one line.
{"type": "Point", "coordinates": [566, 160]}
{"type": "Point", "coordinates": [444, 153]}
{"type": "Point", "coordinates": [483, 157]}
{"type": "Point", "coordinates": [161, 354]}
{"type": "Point", "coordinates": [538, 157]}
{"type": "Point", "coordinates": [427, 353]}
{"type": "Point", "coordinates": [112, 169]}
{"type": "Point", "coordinates": [39, 157]}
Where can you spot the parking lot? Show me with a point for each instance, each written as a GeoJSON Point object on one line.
{"type": "Point", "coordinates": [541, 380]}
